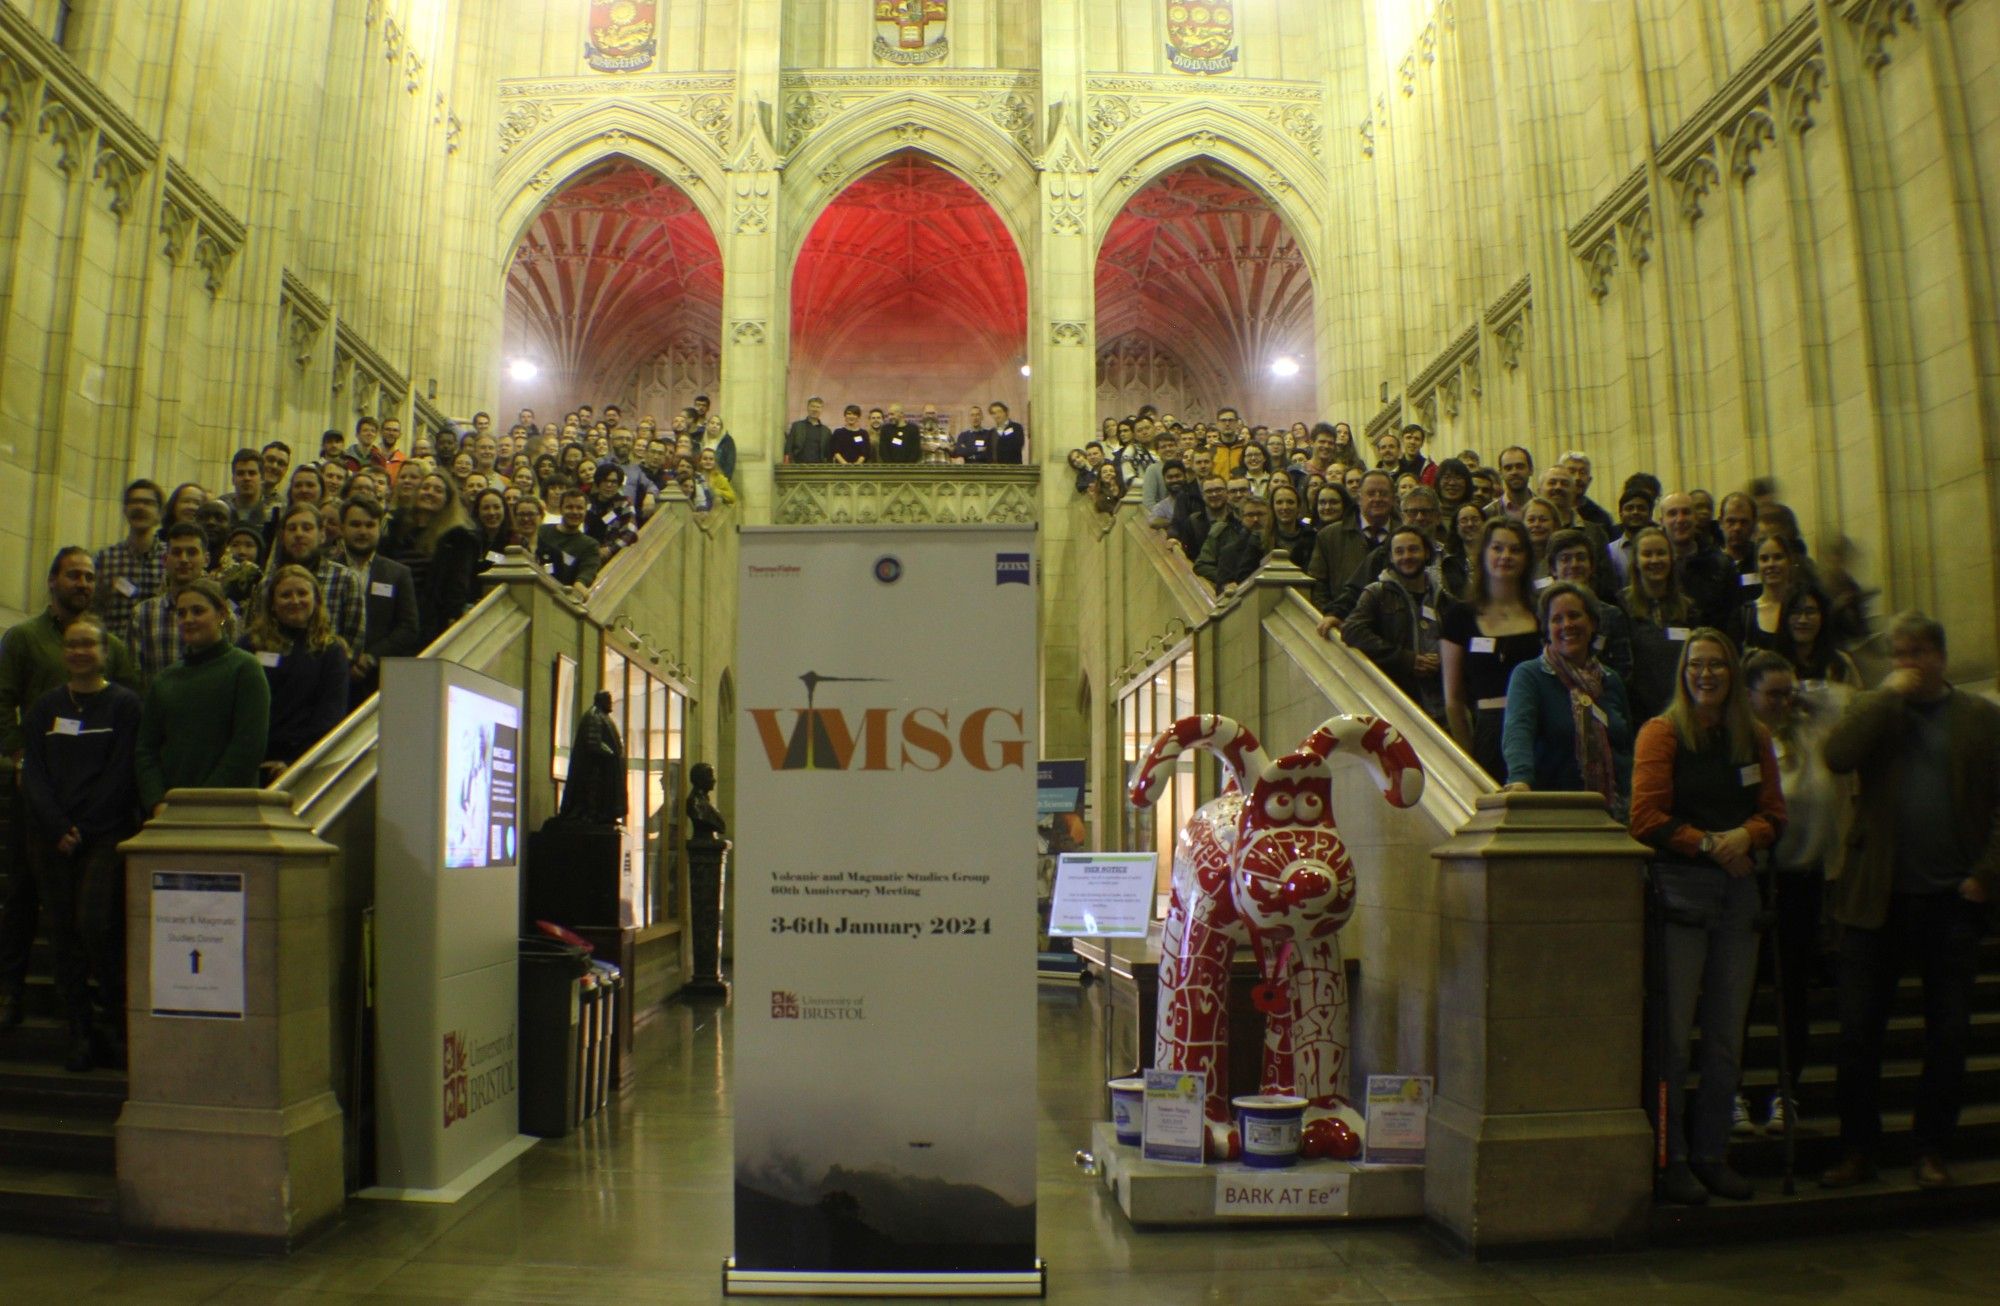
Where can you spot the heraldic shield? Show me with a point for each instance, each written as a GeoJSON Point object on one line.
{"type": "Point", "coordinates": [1201, 38]}
{"type": "Point", "coordinates": [624, 35]}
{"type": "Point", "coordinates": [910, 31]}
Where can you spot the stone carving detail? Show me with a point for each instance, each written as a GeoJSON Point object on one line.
{"type": "Point", "coordinates": [522, 121]}
{"type": "Point", "coordinates": [1637, 228]}
{"type": "Point", "coordinates": [454, 131]}
{"type": "Point", "coordinates": [1475, 384]}
{"type": "Point", "coordinates": [413, 72]}
{"type": "Point", "coordinates": [1069, 190]}
{"type": "Point", "coordinates": [16, 83]}
{"type": "Point", "coordinates": [1807, 89]}
{"type": "Point", "coordinates": [1450, 395]}
{"type": "Point", "coordinates": [1368, 137]}
{"type": "Point", "coordinates": [988, 177]}
{"type": "Point", "coordinates": [1012, 114]}
{"type": "Point", "coordinates": [811, 496]}
{"type": "Point", "coordinates": [343, 370]}
{"type": "Point", "coordinates": [1601, 261]}
{"type": "Point", "coordinates": [1510, 339]}
{"type": "Point", "coordinates": [1694, 181]}
{"type": "Point", "coordinates": [301, 334]}
{"type": "Point", "coordinates": [803, 115]}
{"type": "Point", "coordinates": [1066, 333]}
{"type": "Point", "coordinates": [753, 203]}
{"type": "Point", "coordinates": [392, 41]}
{"type": "Point", "coordinates": [1753, 131]}
{"type": "Point", "coordinates": [374, 388]}
{"type": "Point", "coordinates": [910, 133]}
{"type": "Point", "coordinates": [1301, 124]}
{"type": "Point", "coordinates": [302, 316]}
{"type": "Point", "coordinates": [118, 174]}
{"type": "Point", "coordinates": [1427, 411]}
{"type": "Point", "coordinates": [1406, 73]}
{"type": "Point", "coordinates": [66, 131]}
{"type": "Point", "coordinates": [176, 228]}
{"type": "Point", "coordinates": [1109, 115]}
{"type": "Point", "coordinates": [747, 332]}
{"type": "Point", "coordinates": [710, 116]}
{"type": "Point", "coordinates": [542, 180]}
{"type": "Point", "coordinates": [1876, 23]}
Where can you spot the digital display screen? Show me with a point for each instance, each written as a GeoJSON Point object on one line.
{"type": "Point", "coordinates": [481, 772]}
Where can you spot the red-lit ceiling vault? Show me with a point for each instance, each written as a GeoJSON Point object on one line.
{"type": "Point", "coordinates": [908, 289]}
{"type": "Point", "coordinates": [1200, 288]}
{"type": "Point", "coordinates": [618, 269]}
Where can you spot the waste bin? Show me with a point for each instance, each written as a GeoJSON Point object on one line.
{"type": "Point", "coordinates": [552, 979]}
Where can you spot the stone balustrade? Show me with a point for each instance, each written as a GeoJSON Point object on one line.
{"type": "Point", "coordinates": [906, 495]}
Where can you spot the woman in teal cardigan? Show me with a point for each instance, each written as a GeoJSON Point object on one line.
{"type": "Point", "coordinates": [1568, 726]}
{"type": "Point", "coordinates": [205, 717]}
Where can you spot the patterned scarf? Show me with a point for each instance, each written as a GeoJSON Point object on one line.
{"type": "Point", "coordinates": [1585, 684]}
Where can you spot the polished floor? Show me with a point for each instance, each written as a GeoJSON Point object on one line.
{"type": "Point", "coordinates": [637, 1210]}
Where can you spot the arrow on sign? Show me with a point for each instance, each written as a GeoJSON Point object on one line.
{"type": "Point", "coordinates": [194, 962]}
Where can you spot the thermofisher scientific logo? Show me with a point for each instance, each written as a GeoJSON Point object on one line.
{"type": "Point", "coordinates": [790, 1006]}
{"type": "Point", "coordinates": [782, 572]}
{"type": "Point", "coordinates": [924, 738]}
{"type": "Point", "coordinates": [1012, 569]}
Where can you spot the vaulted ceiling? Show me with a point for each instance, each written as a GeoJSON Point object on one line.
{"type": "Point", "coordinates": [907, 241]}
{"type": "Point", "coordinates": [1200, 263]}
{"type": "Point", "coordinates": [618, 261]}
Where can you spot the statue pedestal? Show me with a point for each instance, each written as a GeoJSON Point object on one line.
{"type": "Point", "coordinates": [707, 870]}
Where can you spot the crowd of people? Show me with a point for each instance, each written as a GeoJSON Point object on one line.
{"type": "Point", "coordinates": [1687, 660]}
{"type": "Point", "coordinates": [226, 633]}
{"type": "Point", "coordinates": [990, 435]}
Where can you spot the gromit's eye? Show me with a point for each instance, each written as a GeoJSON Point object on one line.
{"type": "Point", "coordinates": [1278, 807]}
{"type": "Point", "coordinates": [1309, 807]}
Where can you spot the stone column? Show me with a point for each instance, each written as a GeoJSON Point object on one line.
{"type": "Point", "coordinates": [231, 1131]}
{"type": "Point", "coordinates": [1536, 1132]}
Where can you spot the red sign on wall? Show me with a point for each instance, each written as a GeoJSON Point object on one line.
{"type": "Point", "coordinates": [624, 35]}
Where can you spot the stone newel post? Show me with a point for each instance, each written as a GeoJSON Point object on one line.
{"type": "Point", "coordinates": [231, 1130]}
{"type": "Point", "coordinates": [1536, 1133]}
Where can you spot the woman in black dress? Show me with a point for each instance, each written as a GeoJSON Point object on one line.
{"type": "Point", "coordinates": [1483, 639]}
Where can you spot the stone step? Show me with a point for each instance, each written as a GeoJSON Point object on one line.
{"type": "Point", "coordinates": [37, 1199]}
{"type": "Point", "coordinates": [44, 1086]}
{"type": "Point", "coordinates": [1899, 1083]}
{"type": "Point", "coordinates": [59, 1140]}
{"type": "Point", "coordinates": [1893, 1200]}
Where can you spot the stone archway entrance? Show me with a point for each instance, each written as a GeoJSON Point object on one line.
{"type": "Point", "coordinates": [1204, 298]}
{"type": "Point", "coordinates": [909, 289]}
{"type": "Point", "coordinates": [614, 294]}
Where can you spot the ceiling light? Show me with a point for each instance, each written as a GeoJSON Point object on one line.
{"type": "Point", "coordinates": [1286, 366]}
{"type": "Point", "coordinates": [1026, 370]}
{"type": "Point", "coordinates": [523, 369]}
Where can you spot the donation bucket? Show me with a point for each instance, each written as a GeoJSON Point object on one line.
{"type": "Point", "coordinates": [1270, 1124]}
{"type": "Point", "coordinates": [1128, 1108]}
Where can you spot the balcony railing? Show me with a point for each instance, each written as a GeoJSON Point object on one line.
{"type": "Point", "coordinates": [907, 495]}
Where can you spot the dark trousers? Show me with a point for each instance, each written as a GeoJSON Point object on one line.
{"type": "Point", "coordinates": [1791, 948]}
{"type": "Point", "coordinates": [85, 895]}
{"type": "Point", "coordinates": [19, 913]}
{"type": "Point", "coordinates": [1939, 934]}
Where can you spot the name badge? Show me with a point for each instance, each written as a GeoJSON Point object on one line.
{"type": "Point", "coordinates": [1598, 643]}
{"type": "Point", "coordinates": [1543, 582]}
{"type": "Point", "coordinates": [569, 559]}
{"type": "Point", "coordinates": [495, 557]}
{"type": "Point", "coordinates": [1678, 634]}
{"type": "Point", "coordinates": [1599, 713]}
{"type": "Point", "coordinates": [383, 589]}
{"type": "Point", "coordinates": [1429, 613]}
{"type": "Point", "coordinates": [125, 587]}
{"type": "Point", "coordinates": [610, 517]}
{"type": "Point", "coordinates": [1748, 580]}
{"type": "Point", "coordinates": [1752, 774]}
{"type": "Point", "coordinates": [1482, 644]}
{"type": "Point", "coordinates": [270, 659]}
{"type": "Point", "coordinates": [549, 567]}
{"type": "Point", "coordinates": [67, 726]}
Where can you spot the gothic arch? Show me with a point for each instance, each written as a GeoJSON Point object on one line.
{"type": "Point", "coordinates": [949, 135]}
{"type": "Point", "coordinates": [1263, 159]}
{"type": "Point", "coordinates": [649, 137]}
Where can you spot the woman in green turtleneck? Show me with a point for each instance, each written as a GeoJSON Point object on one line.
{"type": "Point", "coordinates": [205, 717]}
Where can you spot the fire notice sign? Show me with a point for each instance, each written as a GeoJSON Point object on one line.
{"type": "Point", "coordinates": [198, 945]}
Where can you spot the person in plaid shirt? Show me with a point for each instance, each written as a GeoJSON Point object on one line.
{"type": "Point", "coordinates": [132, 570]}
{"type": "Point", "coordinates": [299, 542]}
{"type": "Point", "coordinates": [156, 632]}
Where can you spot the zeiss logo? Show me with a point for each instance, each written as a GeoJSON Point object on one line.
{"type": "Point", "coordinates": [1011, 569]}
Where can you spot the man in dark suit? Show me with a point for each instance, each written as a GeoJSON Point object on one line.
{"type": "Point", "coordinates": [1922, 875]}
{"type": "Point", "coordinates": [808, 440]}
{"type": "Point", "coordinates": [975, 442]}
{"type": "Point", "coordinates": [899, 440]}
{"type": "Point", "coordinates": [1342, 549]}
{"type": "Point", "coordinates": [1010, 438]}
{"type": "Point", "coordinates": [392, 628]}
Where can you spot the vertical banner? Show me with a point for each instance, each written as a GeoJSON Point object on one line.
{"type": "Point", "coordinates": [885, 1017]}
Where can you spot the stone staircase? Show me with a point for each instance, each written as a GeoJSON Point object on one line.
{"type": "Point", "coordinates": [1894, 1198]}
{"type": "Point", "coordinates": [57, 1151]}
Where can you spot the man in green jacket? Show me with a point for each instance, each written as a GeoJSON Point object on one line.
{"type": "Point", "coordinates": [31, 664]}
{"type": "Point", "coordinates": [1922, 869]}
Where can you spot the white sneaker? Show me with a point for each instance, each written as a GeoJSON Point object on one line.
{"type": "Point", "coordinates": [1781, 1108]}
{"type": "Point", "coordinates": [1740, 1122]}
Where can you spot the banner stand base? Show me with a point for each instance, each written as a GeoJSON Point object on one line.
{"type": "Point", "coordinates": [826, 1283]}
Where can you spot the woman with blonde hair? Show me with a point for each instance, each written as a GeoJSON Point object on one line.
{"type": "Point", "coordinates": [435, 541]}
{"type": "Point", "coordinates": [304, 663]}
{"type": "Point", "coordinates": [1706, 798]}
{"type": "Point", "coordinates": [1662, 619]}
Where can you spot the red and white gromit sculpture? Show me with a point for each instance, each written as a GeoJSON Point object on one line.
{"type": "Point", "coordinates": [1264, 864]}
